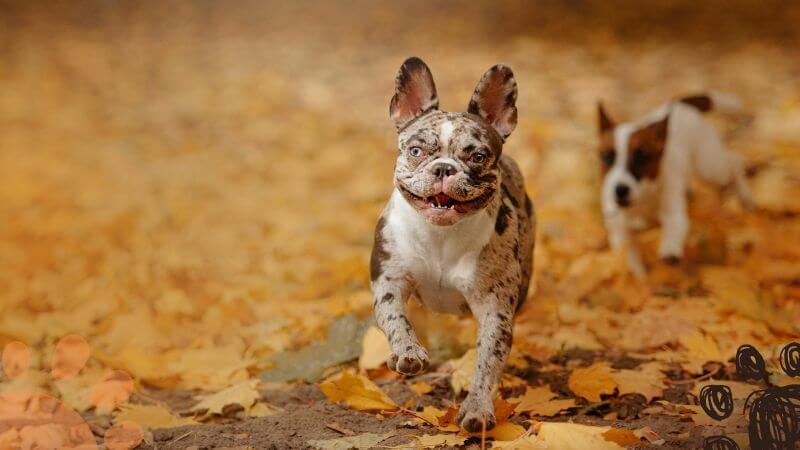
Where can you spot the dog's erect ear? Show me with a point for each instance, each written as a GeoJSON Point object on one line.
{"type": "Point", "coordinates": [495, 99]}
{"type": "Point", "coordinates": [414, 92]}
{"type": "Point", "coordinates": [604, 121]}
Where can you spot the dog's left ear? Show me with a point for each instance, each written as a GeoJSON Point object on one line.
{"type": "Point", "coordinates": [495, 99]}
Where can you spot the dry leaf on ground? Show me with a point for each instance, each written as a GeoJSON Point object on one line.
{"type": "Point", "coordinates": [647, 380]}
{"type": "Point", "coordinates": [151, 416]}
{"type": "Point", "coordinates": [361, 441]}
{"type": "Point", "coordinates": [438, 440]}
{"type": "Point", "coordinates": [357, 391]}
{"type": "Point", "coordinates": [375, 349]}
{"type": "Point", "coordinates": [462, 371]}
{"type": "Point", "coordinates": [541, 401]}
{"type": "Point", "coordinates": [592, 382]}
{"type": "Point", "coordinates": [244, 394]}
{"type": "Point", "coordinates": [571, 436]}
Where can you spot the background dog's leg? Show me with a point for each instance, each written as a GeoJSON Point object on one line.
{"type": "Point", "coordinates": [674, 220]}
{"type": "Point", "coordinates": [495, 325]}
{"type": "Point", "coordinates": [408, 356]}
{"type": "Point", "coordinates": [619, 237]}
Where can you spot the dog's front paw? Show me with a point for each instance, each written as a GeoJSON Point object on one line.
{"type": "Point", "coordinates": [476, 414]}
{"type": "Point", "coordinates": [412, 361]}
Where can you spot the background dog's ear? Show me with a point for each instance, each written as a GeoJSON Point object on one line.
{"type": "Point", "coordinates": [604, 121]}
{"type": "Point", "coordinates": [495, 99]}
{"type": "Point", "coordinates": [414, 92]}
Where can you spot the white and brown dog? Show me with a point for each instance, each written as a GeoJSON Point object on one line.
{"type": "Point", "coordinates": [648, 164]}
{"type": "Point", "coordinates": [458, 229]}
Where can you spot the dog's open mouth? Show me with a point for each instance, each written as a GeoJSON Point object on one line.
{"type": "Point", "coordinates": [439, 201]}
{"type": "Point", "coordinates": [442, 201]}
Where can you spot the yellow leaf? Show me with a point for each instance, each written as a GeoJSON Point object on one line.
{"type": "Point", "coordinates": [244, 394]}
{"type": "Point", "coordinates": [438, 418]}
{"type": "Point", "coordinates": [540, 401]}
{"type": "Point", "coordinates": [523, 443]}
{"type": "Point", "coordinates": [261, 409]}
{"type": "Point", "coordinates": [357, 391]}
{"type": "Point", "coordinates": [151, 416]}
{"type": "Point", "coordinates": [438, 440]}
{"type": "Point", "coordinates": [592, 382]}
{"type": "Point", "coordinates": [572, 436]}
{"type": "Point", "coordinates": [505, 431]}
{"type": "Point", "coordinates": [647, 379]}
{"type": "Point", "coordinates": [421, 388]}
{"type": "Point", "coordinates": [462, 371]}
{"type": "Point", "coordinates": [366, 440]}
{"type": "Point", "coordinates": [375, 349]}
{"type": "Point", "coordinates": [702, 347]}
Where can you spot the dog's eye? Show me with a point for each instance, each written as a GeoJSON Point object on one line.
{"type": "Point", "coordinates": [415, 151]}
{"type": "Point", "coordinates": [640, 156]}
{"type": "Point", "coordinates": [608, 157]}
{"type": "Point", "coordinates": [477, 157]}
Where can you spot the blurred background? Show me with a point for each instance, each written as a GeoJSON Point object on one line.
{"type": "Point", "coordinates": [198, 180]}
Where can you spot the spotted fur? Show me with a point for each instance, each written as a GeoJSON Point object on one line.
{"type": "Point", "coordinates": [476, 257]}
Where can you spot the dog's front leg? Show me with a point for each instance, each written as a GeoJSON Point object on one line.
{"type": "Point", "coordinates": [674, 221]}
{"type": "Point", "coordinates": [495, 326]}
{"type": "Point", "coordinates": [619, 236]}
{"type": "Point", "coordinates": [390, 294]}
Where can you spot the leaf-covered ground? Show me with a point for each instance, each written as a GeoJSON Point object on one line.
{"type": "Point", "coordinates": [192, 187]}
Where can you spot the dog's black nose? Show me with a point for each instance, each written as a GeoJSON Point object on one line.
{"type": "Point", "coordinates": [623, 193]}
{"type": "Point", "coordinates": [443, 169]}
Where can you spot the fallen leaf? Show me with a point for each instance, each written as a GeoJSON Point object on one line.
{"type": "Point", "coordinates": [151, 416]}
{"type": "Point", "coordinates": [244, 394]}
{"type": "Point", "coordinates": [261, 409]}
{"type": "Point", "coordinates": [123, 435]}
{"type": "Point", "coordinates": [505, 431]}
{"type": "Point", "coordinates": [592, 382]}
{"type": "Point", "coordinates": [361, 441]}
{"type": "Point", "coordinates": [343, 344]}
{"type": "Point", "coordinates": [438, 418]}
{"type": "Point", "coordinates": [541, 401]}
{"type": "Point", "coordinates": [421, 388]}
{"type": "Point", "coordinates": [462, 371]}
{"type": "Point", "coordinates": [113, 389]}
{"type": "Point", "coordinates": [522, 443]}
{"type": "Point", "coordinates": [438, 440]}
{"type": "Point", "coordinates": [621, 436]}
{"type": "Point", "coordinates": [647, 380]}
{"type": "Point", "coordinates": [572, 436]}
{"type": "Point", "coordinates": [375, 349]}
{"type": "Point", "coordinates": [357, 391]}
{"type": "Point", "coordinates": [503, 409]}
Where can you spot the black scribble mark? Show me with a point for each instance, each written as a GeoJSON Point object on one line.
{"type": "Point", "coordinates": [790, 359]}
{"type": "Point", "coordinates": [719, 443]}
{"type": "Point", "coordinates": [717, 401]}
{"type": "Point", "coordinates": [773, 413]}
{"type": "Point", "coordinates": [749, 363]}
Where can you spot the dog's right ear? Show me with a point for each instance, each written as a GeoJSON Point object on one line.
{"type": "Point", "coordinates": [604, 121]}
{"type": "Point", "coordinates": [414, 93]}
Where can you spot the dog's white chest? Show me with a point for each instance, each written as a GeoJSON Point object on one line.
{"type": "Point", "coordinates": [443, 261]}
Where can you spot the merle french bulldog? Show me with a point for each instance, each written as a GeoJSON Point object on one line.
{"type": "Point", "coordinates": [458, 230]}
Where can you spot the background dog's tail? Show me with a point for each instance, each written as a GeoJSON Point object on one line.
{"type": "Point", "coordinates": [715, 100]}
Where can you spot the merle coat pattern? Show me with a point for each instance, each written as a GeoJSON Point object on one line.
{"type": "Point", "coordinates": [458, 229]}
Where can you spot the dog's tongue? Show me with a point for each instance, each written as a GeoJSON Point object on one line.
{"type": "Point", "coordinates": [442, 198]}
